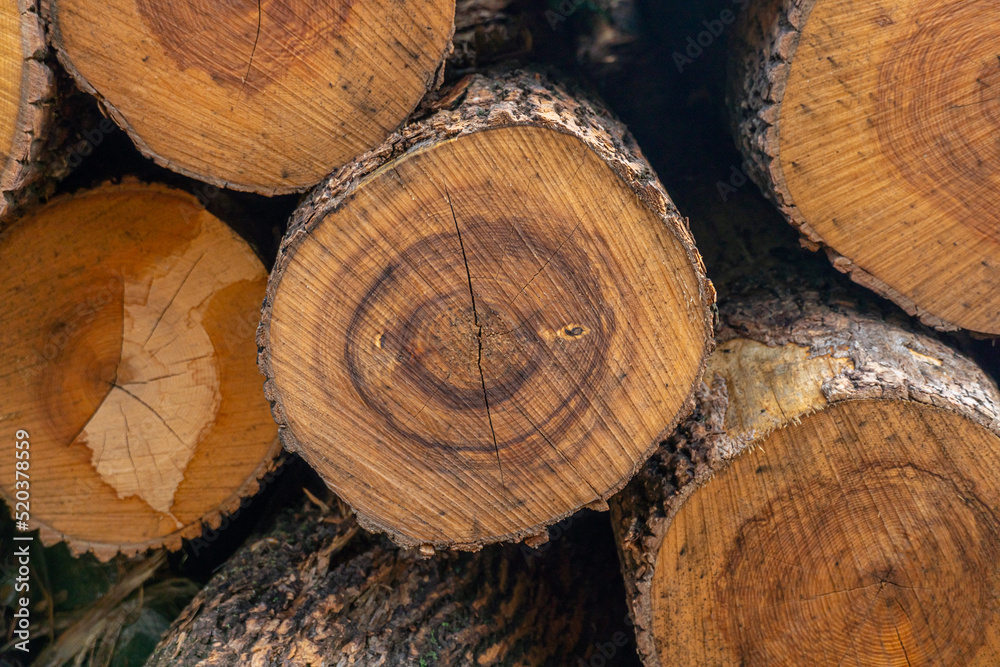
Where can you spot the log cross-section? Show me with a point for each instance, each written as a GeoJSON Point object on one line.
{"type": "Point", "coordinates": [266, 96]}
{"type": "Point", "coordinates": [873, 126]}
{"type": "Point", "coordinates": [831, 502]}
{"type": "Point", "coordinates": [128, 359]}
{"type": "Point", "coordinates": [485, 325]}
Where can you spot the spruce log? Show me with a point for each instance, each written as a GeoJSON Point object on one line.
{"type": "Point", "coordinates": [832, 501]}
{"type": "Point", "coordinates": [313, 590]}
{"type": "Point", "coordinates": [487, 323]}
{"type": "Point", "coordinates": [128, 354]}
{"type": "Point", "coordinates": [873, 127]}
{"type": "Point", "coordinates": [267, 96]}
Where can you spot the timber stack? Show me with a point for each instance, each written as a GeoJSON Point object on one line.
{"type": "Point", "coordinates": [522, 425]}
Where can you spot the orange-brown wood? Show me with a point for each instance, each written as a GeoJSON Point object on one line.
{"type": "Point", "coordinates": [830, 502]}
{"type": "Point", "coordinates": [261, 95]}
{"type": "Point", "coordinates": [488, 332]}
{"type": "Point", "coordinates": [127, 346]}
{"type": "Point", "coordinates": [873, 126]}
{"type": "Point", "coordinates": [865, 534]}
{"type": "Point", "coordinates": [27, 90]}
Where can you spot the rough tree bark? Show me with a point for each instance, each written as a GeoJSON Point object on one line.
{"type": "Point", "coordinates": [487, 31]}
{"type": "Point", "coordinates": [600, 35]}
{"type": "Point", "coordinates": [455, 317]}
{"type": "Point", "coordinates": [128, 356]}
{"type": "Point", "coordinates": [831, 501]}
{"type": "Point", "coordinates": [887, 159]}
{"type": "Point", "coordinates": [40, 116]}
{"type": "Point", "coordinates": [312, 590]}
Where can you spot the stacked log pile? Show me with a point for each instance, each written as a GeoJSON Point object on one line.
{"type": "Point", "coordinates": [526, 427]}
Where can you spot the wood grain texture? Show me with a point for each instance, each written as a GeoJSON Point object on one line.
{"type": "Point", "coordinates": [873, 126]}
{"type": "Point", "coordinates": [28, 109]}
{"type": "Point", "coordinates": [830, 502]}
{"type": "Point", "coordinates": [128, 357]}
{"type": "Point", "coordinates": [483, 326]}
{"type": "Point", "coordinates": [311, 589]}
{"type": "Point", "coordinates": [265, 96]}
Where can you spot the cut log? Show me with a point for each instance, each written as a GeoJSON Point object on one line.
{"type": "Point", "coordinates": [262, 96]}
{"type": "Point", "coordinates": [873, 127]}
{"type": "Point", "coordinates": [309, 591]}
{"type": "Point", "coordinates": [28, 93]}
{"type": "Point", "coordinates": [831, 502]}
{"type": "Point", "coordinates": [487, 323]}
{"type": "Point", "coordinates": [128, 358]}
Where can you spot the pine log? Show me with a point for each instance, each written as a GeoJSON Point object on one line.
{"type": "Point", "coordinates": [873, 127]}
{"type": "Point", "coordinates": [267, 96]}
{"type": "Point", "coordinates": [128, 357]}
{"type": "Point", "coordinates": [312, 590]}
{"type": "Point", "coordinates": [487, 323]}
{"type": "Point", "coordinates": [832, 501]}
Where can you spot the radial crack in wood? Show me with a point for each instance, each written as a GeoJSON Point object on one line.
{"type": "Point", "coordinates": [479, 339]}
{"type": "Point", "coordinates": [267, 96]}
{"type": "Point", "coordinates": [831, 501]}
{"type": "Point", "coordinates": [485, 324]}
{"type": "Point", "coordinates": [128, 352]}
{"type": "Point", "coordinates": [873, 127]}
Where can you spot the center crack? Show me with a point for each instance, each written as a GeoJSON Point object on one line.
{"type": "Point", "coordinates": [479, 337]}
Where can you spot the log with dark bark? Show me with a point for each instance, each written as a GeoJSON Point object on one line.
{"type": "Point", "coordinates": [600, 35]}
{"type": "Point", "coordinates": [265, 96]}
{"type": "Point", "coordinates": [873, 126]}
{"type": "Point", "coordinates": [488, 322]}
{"type": "Point", "coordinates": [39, 113]}
{"type": "Point", "coordinates": [128, 354]}
{"type": "Point", "coordinates": [831, 501]}
{"type": "Point", "coordinates": [487, 31]}
{"type": "Point", "coordinates": [313, 590]}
